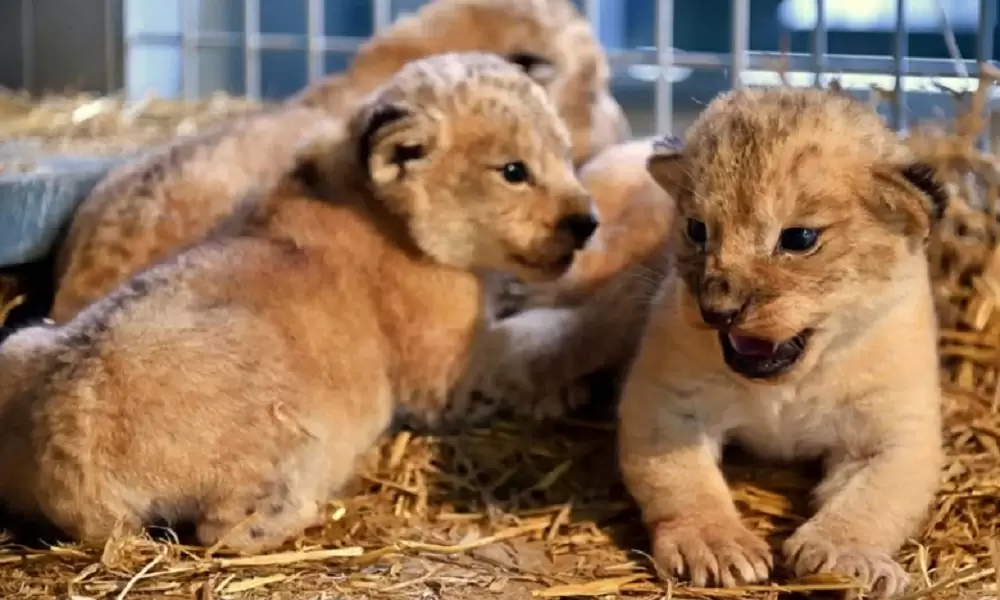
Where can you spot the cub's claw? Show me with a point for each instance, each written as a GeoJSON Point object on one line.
{"type": "Point", "coordinates": [808, 552]}
{"type": "Point", "coordinates": [720, 554]}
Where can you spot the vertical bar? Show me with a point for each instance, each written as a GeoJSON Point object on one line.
{"type": "Point", "coordinates": [28, 45]}
{"type": "Point", "coordinates": [900, 50]}
{"type": "Point", "coordinates": [381, 14]}
{"type": "Point", "coordinates": [984, 55]}
{"type": "Point", "coordinates": [739, 41]}
{"type": "Point", "coordinates": [664, 64]}
{"type": "Point", "coordinates": [189, 48]}
{"type": "Point", "coordinates": [110, 54]}
{"type": "Point", "coordinates": [819, 42]}
{"type": "Point", "coordinates": [251, 49]}
{"type": "Point", "coordinates": [315, 30]}
{"type": "Point", "coordinates": [987, 26]}
{"type": "Point", "coordinates": [128, 53]}
{"type": "Point", "coordinates": [592, 12]}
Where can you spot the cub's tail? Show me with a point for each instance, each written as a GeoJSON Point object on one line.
{"type": "Point", "coordinates": [26, 355]}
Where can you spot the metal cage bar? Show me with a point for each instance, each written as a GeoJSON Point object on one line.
{"type": "Point", "coordinates": [739, 41]}
{"type": "Point", "coordinates": [797, 61]}
{"type": "Point", "coordinates": [251, 49]}
{"type": "Point", "coordinates": [900, 49]}
{"type": "Point", "coordinates": [664, 110]}
{"type": "Point", "coordinates": [189, 48]}
{"type": "Point", "coordinates": [819, 41]}
{"type": "Point", "coordinates": [315, 20]}
{"type": "Point", "coordinates": [984, 53]}
{"type": "Point", "coordinates": [754, 59]}
{"type": "Point", "coordinates": [110, 48]}
{"type": "Point", "coordinates": [381, 14]}
{"type": "Point", "coordinates": [265, 41]}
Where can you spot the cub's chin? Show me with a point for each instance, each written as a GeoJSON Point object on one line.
{"type": "Point", "coordinates": [537, 270]}
{"type": "Point", "coordinates": [760, 359]}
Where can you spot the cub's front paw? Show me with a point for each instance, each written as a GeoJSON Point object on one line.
{"type": "Point", "coordinates": [807, 552]}
{"type": "Point", "coordinates": [724, 553]}
{"type": "Point", "coordinates": [558, 402]}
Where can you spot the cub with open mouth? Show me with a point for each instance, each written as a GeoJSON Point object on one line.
{"type": "Point", "coordinates": [798, 321]}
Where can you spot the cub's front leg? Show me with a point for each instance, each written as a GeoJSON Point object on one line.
{"type": "Point", "coordinates": [535, 362]}
{"type": "Point", "coordinates": [669, 455]}
{"type": "Point", "coordinates": [871, 499]}
{"type": "Point", "coordinates": [542, 357]}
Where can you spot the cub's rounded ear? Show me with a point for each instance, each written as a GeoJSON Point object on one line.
{"type": "Point", "coordinates": [666, 164]}
{"type": "Point", "coordinates": [393, 138]}
{"type": "Point", "coordinates": [925, 178]}
{"type": "Point", "coordinates": [534, 65]}
{"type": "Point", "coordinates": [913, 197]}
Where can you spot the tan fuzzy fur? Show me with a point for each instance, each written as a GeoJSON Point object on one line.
{"type": "Point", "coordinates": [235, 384]}
{"type": "Point", "coordinates": [143, 212]}
{"type": "Point", "coordinates": [602, 302]}
{"type": "Point", "coordinates": [865, 395]}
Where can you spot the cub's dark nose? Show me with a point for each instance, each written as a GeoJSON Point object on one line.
{"type": "Point", "coordinates": [720, 319]}
{"type": "Point", "coordinates": [579, 225]}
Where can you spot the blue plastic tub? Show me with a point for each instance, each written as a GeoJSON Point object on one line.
{"type": "Point", "coordinates": [36, 204]}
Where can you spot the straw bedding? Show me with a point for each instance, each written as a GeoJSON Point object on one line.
{"type": "Point", "coordinates": [100, 125]}
{"type": "Point", "coordinates": [521, 511]}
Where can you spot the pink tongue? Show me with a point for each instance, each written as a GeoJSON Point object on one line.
{"type": "Point", "coordinates": [751, 346]}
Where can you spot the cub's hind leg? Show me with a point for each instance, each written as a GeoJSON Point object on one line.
{"type": "Point", "coordinates": [252, 523]}
{"type": "Point", "coordinates": [269, 509]}
{"type": "Point", "coordinates": [261, 509]}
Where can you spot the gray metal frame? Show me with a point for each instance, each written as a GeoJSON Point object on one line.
{"type": "Point", "coordinates": [26, 48]}
{"type": "Point", "coordinates": [739, 58]}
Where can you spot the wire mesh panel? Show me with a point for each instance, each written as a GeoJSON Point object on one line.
{"type": "Point", "coordinates": [320, 36]}
{"type": "Point", "coordinates": [897, 67]}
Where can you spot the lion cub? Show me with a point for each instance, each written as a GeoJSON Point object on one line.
{"type": "Point", "coordinates": [798, 322]}
{"type": "Point", "coordinates": [236, 384]}
{"type": "Point", "coordinates": [145, 211]}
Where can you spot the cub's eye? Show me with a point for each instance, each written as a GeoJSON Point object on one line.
{"type": "Point", "coordinates": [798, 239]}
{"type": "Point", "coordinates": [515, 172]}
{"type": "Point", "coordinates": [528, 61]}
{"type": "Point", "coordinates": [697, 232]}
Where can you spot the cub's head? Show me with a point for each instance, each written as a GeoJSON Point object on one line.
{"type": "Point", "coordinates": [548, 39]}
{"type": "Point", "coordinates": [469, 152]}
{"type": "Point", "coordinates": [801, 219]}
